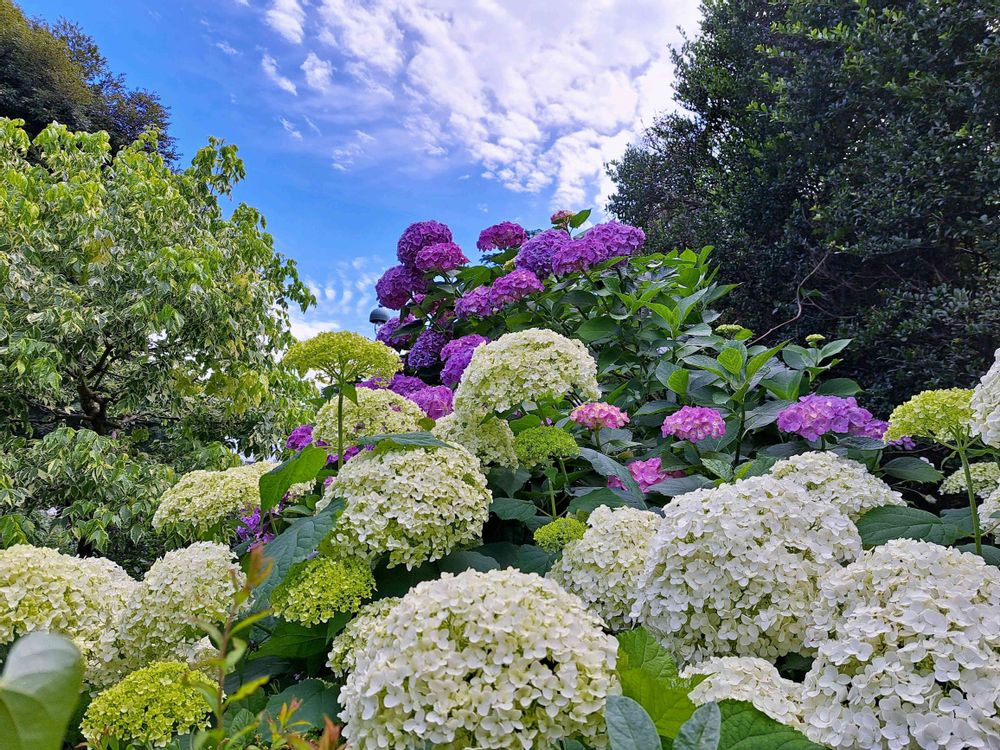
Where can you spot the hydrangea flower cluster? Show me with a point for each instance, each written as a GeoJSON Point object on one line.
{"type": "Point", "coordinates": [525, 366]}
{"type": "Point", "coordinates": [604, 566]}
{"type": "Point", "coordinates": [343, 356]}
{"type": "Point", "coordinates": [419, 235]}
{"type": "Point", "coordinates": [940, 415]}
{"type": "Point", "coordinates": [491, 440]}
{"type": "Point", "coordinates": [317, 589]}
{"type": "Point", "coordinates": [148, 708]}
{"type": "Point", "coordinates": [985, 480]}
{"type": "Point", "coordinates": [501, 236]}
{"type": "Point", "coordinates": [513, 286]}
{"type": "Point", "coordinates": [300, 438]}
{"type": "Point", "coordinates": [434, 400]}
{"type": "Point", "coordinates": [443, 256]}
{"type": "Point", "coordinates": [387, 333]}
{"type": "Point", "coordinates": [908, 651]}
{"type": "Point", "coordinates": [646, 473]}
{"type": "Point", "coordinates": [694, 423]}
{"type": "Point", "coordinates": [475, 303]}
{"type": "Point", "coordinates": [201, 501]}
{"type": "Point", "coordinates": [426, 350]}
{"type": "Point", "coordinates": [845, 483]}
{"type": "Point", "coordinates": [602, 242]}
{"type": "Point", "coordinates": [81, 598]}
{"type": "Point", "coordinates": [597, 415]}
{"type": "Point", "coordinates": [368, 620]}
{"type": "Point", "coordinates": [580, 254]}
{"type": "Point", "coordinates": [734, 570]}
{"type": "Point", "coordinates": [986, 405]}
{"type": "Point", "coordinates": [814, 416]}
{"type": "Point", "coordinates": [406, 385]}
{"type": "Point", "coordinates": [540, 671]}
{"type": "Point", "coordinates": [536, 253]}
{"type": "Point", "coordinates": [414, 505]}
{"type": "Point", "coordinates": [376, 413]}
{"type": "Point", "coordinates": [750, 679]}
{"type": "Point", "coordinates": [457, 354]}
{"type": "Point", "coordinates": [989, 514]}
{"type": "Point", "coordinates": [188, 585]}
{"type": "Point", "coordinates": [398, 285]}
{"type": "Point", "coordinates": [555, 535]}
{"type": "Point", "coordinates": [543, 445]}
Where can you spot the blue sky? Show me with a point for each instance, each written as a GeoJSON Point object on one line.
{"type": "Point", "coordinates": [358, 118]}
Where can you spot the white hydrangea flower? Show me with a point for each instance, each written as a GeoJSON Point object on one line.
{"type": "Point", "coordinates": [416, 505]}
{"type": "Point", "coordinates": [733, 571]}
{"type": "Point", "coordinates": [491, 660]}
{"type": "Point", "coordinates": [985, 479]}
{"type": "Point", "coordinates": [201, 501]}
{"type": "Point", "coordinates": [525, 366]}
{"type": "Point", "coordinates": [491, 440]}
{"type": "Point", "coordinates": [81, 598]}
{"type": "Point", "coordinates": [603, 568]}
{"type": "Point", "coordinates": [986, 405]}
{"type": "Point", "coordinates": [908, 652]}
{"type": "Point", "coordinates": [834, 479]}
{"type": "Point", "coordinates": [185, 586]}
{"type": "Point", "coordinates": [750, 679]}
{"type": "Point", "coordinates": [989, 514]}
{"type": "Point", "coordinates": [377, 412]}
{"type": "Point", "coordinates": [368, 620]}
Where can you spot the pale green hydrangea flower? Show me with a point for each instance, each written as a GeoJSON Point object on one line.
{"type": "Point", "coordinates": [556, 534]}
{"type": "Point", "coordinates": [343, 356]}
{"type": "Point", "coordinates": [377, 412]}
{"type": "Point", "coordinates": [750, 679]}
{"type": "Point", "coordinates": [525, 366]}
{"type": "Point", "coordinates": [148, 708]}
{"type": "Point", "coordinates": [986, 405]}
{"type": "Point", "coordinates": [318, 589]}
{"type": "Point", "coordinates": [985, 479]}
{"type": "Point", "coordinates": [942, 415]}
{"type": "Point", "coordinates": [413, 505]}
{"type": "Point", "coordinates": [491, 440]}
{"type": "Point", "coordinates": [350, 639]}
{"type": "Point", "coordinates": [478, 660]}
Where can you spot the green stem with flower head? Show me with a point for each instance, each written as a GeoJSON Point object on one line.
{"type": "Point", "coordinates": [340, 428]}
{"type": "Point", "coordinates": [967, 469]}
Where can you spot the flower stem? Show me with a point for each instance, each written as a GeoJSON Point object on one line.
{"type": "Point", "coordinates": [976, 534]}
{"type": "Point", "coordinates": [340, 429]}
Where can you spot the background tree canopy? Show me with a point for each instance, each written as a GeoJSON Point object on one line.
{"type": "Point", "coordinates": [842, 157]}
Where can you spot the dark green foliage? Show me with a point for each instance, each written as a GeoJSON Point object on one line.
{"type": "Point", "coordinates": [840, 157]}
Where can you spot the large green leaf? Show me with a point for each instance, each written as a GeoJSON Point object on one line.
{"type": "Point", "coordinates": [702, 731]}
{"type": "Point", "coordinates": [912, 469]}
{"type": "Point", "coordinates": [513, 509]}
{"type": "Point", "coordinates": [316, 700]}
{"type": "Point", "coordinates": [595, 329]}
{"type": "Point", "coordinates": [879, 525]}
{"type": "Point", "coordinates": [293, 545]}
{"type": "Point", "coordinates": [302, 468]}
{"type": "Point", "coordinates": [746, 728]}
{"type": "Point", "coordinates": [629, 726]}
{"type": "Point", "coordinates": [39, 689]}
{"type": "Point", "coordinates": [608, 467]}
{"type": "Point", "coordinates": [638, 649]}
{"type": "Point", "coordinates": [290, 640]}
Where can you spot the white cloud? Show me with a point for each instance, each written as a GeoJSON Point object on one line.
{"type": "Point", "coordinates": [286, 17]}
{"type": "Point", "coordinates": [290, 129]}
{"type": "Point", "coordinates": [227, 48]}
{"type": "Point", "coordinates": [313, 126]}
{"type": "Point", "coordinates": [319, 73]}
{"type": "Point", "coordinates": [344, 299]}
{"type": "Point", "coordinates": [540, 95]}
{"type": "Point", "coordinates": [270, 67]}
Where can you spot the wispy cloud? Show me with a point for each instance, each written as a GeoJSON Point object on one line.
{"type": "Point", "coordinates": [286, 17]}
{"type": "Point", "coordinates": [227, 48]}
{"type": "Point", "coordinates": [318, 72]}
{"type": "Point", "coordinates": [270, 67]}
{"type": "Point", "coordinates": [343, 299]}
{"type": "Point", "coordinates": [290, 128]}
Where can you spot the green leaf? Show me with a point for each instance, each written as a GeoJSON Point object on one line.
{"type": "Point", "coordinates": [702, 731]}
{"type": "Point", "coordinates": [302, 468]}
{"type": "Point", "coordinates": [879, 525]}
{"type": "Point", "coordinates": [746, 728]}
{"type": "Point", "coordinates": [290, 640]}
{"type": "Point", "coordinates": [608, 467]}
{"type": "Point", "coordinates": [732, 360]}
{"type": "Point", "coordinates": [839, 387]}
{"type": "Point", "coordinates": [678, 381]}
{"type": "Point", "coordinates": [532, 559]}
{"type": "Point", "coordinates": [680, 485]}
{"type": "Point", "coordinates": [629, 726]}
{"type": "Point", "coordinates": [318, 699]}
{"type": "Point", "coordinates": [293, 545]}
{"type": "Point", "coordinates": [721, 469]}
{"type": "Point", "coordinates": [401, 441]}
{"type": "Point", "coordinates": [577, 219]}
{"type": "Point", "coordinates": [39, 691]}
{"type": "Point", "coordinates": [512, 509]}
{"type": "Point", "coordinates": [462, 560]}
{"type": "Point", "coordinates": [912, 469]}
{"type": "Point", "coordinates": [595, 329]}
{"type": "Point", "coordinates": [638, 649]}
{"type": "Point", "coordinates": [667, 703]}
{"type": "Point", "coordinates": [598, 496]}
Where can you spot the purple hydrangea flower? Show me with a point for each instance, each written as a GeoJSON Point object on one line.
{"type": "Point", "coordinates": [441, 256]}
{"type": "Point", "coordinates": [300, 438]}
{"type": "Point", "coordinates": [251, 527]}
{"type": "Point", "coordinates": [617, 238]}
{"type": "Point", "coordinates": [435, 400]}
{"type": "Point", "coordinates": [478, 302]}
{"type": "Point", "coordinates": [694, 423]}
{"type": "Point", "coordinates": [426, 350]}
{"type": "Point", "coordinates": [418, 236]}
{"type": "Point", "coordinates": [513, 286]}
{"type": "Point", "coordinates": [404, 385]}
{"type": "Point", "coordinates": [536, 253]}
{"type": "Point", "coordinates": [814, 416]}
{"type": "Point", "coordinates": [456, 356]}
{"type": "Point", "coordinates": [386, 333]}
{"type": "Point", "coordinates": [578, 255]}
{"type": "Point", "coordinates": [501, 236]}
{"type": "Point", "coordinates": [398, 285]}
{"type": "Point", "coordinates": [876, 428]}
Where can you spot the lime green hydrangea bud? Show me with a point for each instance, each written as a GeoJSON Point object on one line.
{"type": "Point", "coordinates": [375, 413]}
{"type": "Point", "coordinates": [148, 708]}
{"type": "Point", "coordinates": [344, 357]}
{"type": "Point", "coordinates": [815, 338]}
{"type": "Point", "coordinates": [316, 590]}
{"type": "Point", "coordinates": [552, 537]}
{"type": "Point", "coordinates": [941, 415]}
{"type": "Point", "coordinates": [542, 445]}
{"type": "Point", "coordinates": [728, 329]}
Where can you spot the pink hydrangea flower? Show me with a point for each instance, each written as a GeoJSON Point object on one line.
{"type": "Point", "coordinates": [646, 474]}
{"type": "Point", "coordinates": [596, 415]}
{"type": "Point", "coordinates": [694, 423]}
